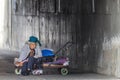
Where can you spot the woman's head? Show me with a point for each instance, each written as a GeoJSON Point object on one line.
{"type": "Point", "coordinates": [32, 45]}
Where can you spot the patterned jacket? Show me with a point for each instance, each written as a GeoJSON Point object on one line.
{"type": "Point", "coordinates": [26, 50]}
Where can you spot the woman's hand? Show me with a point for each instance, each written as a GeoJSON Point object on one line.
{"type": "Point", "coordinates": [19, 64]}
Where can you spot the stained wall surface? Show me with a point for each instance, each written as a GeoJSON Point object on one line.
{"type": "Point", "coordinates": [101, 34]}
{"type": "Point", "coordinates": [93, 26]}
{"type": "Point", "coordinates": [54, 22]}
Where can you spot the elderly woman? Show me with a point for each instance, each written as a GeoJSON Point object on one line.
{"type": "Point", "coordinates": [31, 55]}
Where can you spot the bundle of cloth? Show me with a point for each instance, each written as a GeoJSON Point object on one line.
{"type": "Point", "coordinates": [60, 61]}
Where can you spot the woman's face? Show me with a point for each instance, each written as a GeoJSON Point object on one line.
{"type": "Point", "coordinates": [32, 45]}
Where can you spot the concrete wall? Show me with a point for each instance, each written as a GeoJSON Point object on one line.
{"type": "Point", "coordinates": [4, 23]}
{"type": "Point", "coordinates": [54, 22]}
{"type": "Point", "coordinates": [93, 25]}
{"type": "Point", "coordinates": [101, 35]}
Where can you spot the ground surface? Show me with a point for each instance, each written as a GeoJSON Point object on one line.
{"type": "Point", "coordinates": [90, 76]}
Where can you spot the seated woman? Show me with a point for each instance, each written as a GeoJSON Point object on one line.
{"type": "Point", "coordinates": [30, 55]}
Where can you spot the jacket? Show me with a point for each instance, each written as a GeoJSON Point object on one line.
{"type": "Point", "coordinates": [26, 50]}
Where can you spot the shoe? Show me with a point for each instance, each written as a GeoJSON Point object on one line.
{"type": "Point", "coordinates": [37, 72]}
{"type": "Point", "coordinates": [25, 73]}
{"type": "Point", "coordinates": [29, 72]}
{"type": "Point", "coordinates": [41, 71]}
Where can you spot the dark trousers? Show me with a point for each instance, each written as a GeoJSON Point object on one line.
{"type": "Point", "coordinates": [30, 65]}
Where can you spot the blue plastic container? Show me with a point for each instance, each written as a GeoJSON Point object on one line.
{"type": "Point", "coordinates": [47, 52]}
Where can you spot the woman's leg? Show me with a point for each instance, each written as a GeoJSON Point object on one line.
{"type": "Point", "coordinates": [39, 63]}
{"type": "Point", "coordinates": [24, 69]}
{"type": "Point", "coordinates": [31, 61]}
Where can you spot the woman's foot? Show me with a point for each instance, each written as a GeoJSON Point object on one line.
{"type": "Point", "coordinates": [29, 72]}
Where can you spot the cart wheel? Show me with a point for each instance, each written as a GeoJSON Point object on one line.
{"type": "Point", "coordinates": [17, 71]}
{"type": "Point", "coordinates": [64, 71]}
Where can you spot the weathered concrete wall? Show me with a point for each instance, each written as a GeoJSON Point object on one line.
{"type": "Point", "coordinates": [101, 35]}
{"type": "Point", "coordinates": [54, 22]}
{"type": "Point", "coordinates": [93, 25]}
{"type": "Point", "coordinates": [4, 19]}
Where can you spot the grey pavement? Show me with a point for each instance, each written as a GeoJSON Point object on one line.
{"type": "Point", "coordinates": [88, 76]}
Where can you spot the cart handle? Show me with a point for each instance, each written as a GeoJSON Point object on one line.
{"type": "Point", "coordinates": [69, 42]}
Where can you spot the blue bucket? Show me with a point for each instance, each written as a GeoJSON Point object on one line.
{"type": "Point", "coordinates": [47, 52]}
